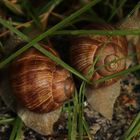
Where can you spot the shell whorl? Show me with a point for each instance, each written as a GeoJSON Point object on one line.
{"type": "Point", "coordinates": [38, 82]}
{"type": "Point", "coordinates": [108, 54]}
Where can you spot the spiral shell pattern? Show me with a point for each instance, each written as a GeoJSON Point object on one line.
{"type": "Point", "coordinates": [101, 54]}
{"type": "Point", "coordinates": [39, 83]}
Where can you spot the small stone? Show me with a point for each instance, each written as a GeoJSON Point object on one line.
{"type": "Point", "coordinates": [95, 128]}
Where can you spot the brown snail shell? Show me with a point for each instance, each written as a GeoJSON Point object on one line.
{"type": "Point", "coordinates": [39, 83]}
{"type": "Point", "coordinates": [110, 53]}
{"type": "Point", "coordinates": [14, 80]}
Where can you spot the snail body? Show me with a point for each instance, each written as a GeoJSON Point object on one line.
{"type": "Point", "coordinates": [39, 83]}
{"type": "Point", "coordinates": [108, 54]}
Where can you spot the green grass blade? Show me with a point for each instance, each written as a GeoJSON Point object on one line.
{"type": "Point", "coordinates": [15, 8]}
{"type": "Point", "coordinates": [133, 10]}
{"type": "Point", "coordinates": [86, 127]}
{"type": "Point", "coordinates": [69, 122]}
{"type": "Point", "coordinates": [131, 128]}
{"type": "Point", "coordinates": [56, 59]}
{"type": "Point", "coordinates": [74, 117]}
{"type": "Point", "coordinates": [8, 25]}
{"type": "Point", "coordinates": [132, 69]}
{"type": "Point", "coordinates": [6, 120]}
{"type": "Point", "coordinates": [117, 9]}
{"type": "Point", "coordinates": [135, 132]}
{"type": "Point", "coordinates": [81, 101]}
{"type": "Point", "coordinates": [17, 125]}
{"type": "Point", "coordinates": [114, 61]}
{"type": "Point", "coordinates": [19, 131]}
{"type": "Point", "coordinates": [98, 32]}
{"type": "Point", "coordinates": [50, 5]}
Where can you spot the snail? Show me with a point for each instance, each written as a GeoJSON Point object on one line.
{"type": "Point", "coordinates": [38, 82]}
{"type": "Point", "coordinates": [109, 52]}
{"type": "Point", "coordinates": [102, 55]}
{"type": "Point", "coordinates": [36, 88]}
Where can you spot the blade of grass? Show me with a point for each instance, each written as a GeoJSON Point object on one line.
{"type": "Point", "coordinates": [69, 122]}
{"type": "Point", "coordinates": [86, 127]}
{"type": "Point", "coordinates": [15, 8]}
{"type": "Point", "coordinates": [81, 101]}
{"type": "Point", "coordinates": [19, 131]}
{"type": "Point", "coordinates": [99, 32]}
{"type": "Point", "coordinates": [114, 61]}
{"type": "Point", "coordinates": [56, 59]}
{"type": "Point", "coordinates": [31, 12]}
{"type": "Point", "coordinates": [74, 117]}
{"type": "Point", "coordinates": [17, 125]}
{"type": "Point", "coordinates": [133, 10]}
{"type": "Point", "coordinates": [117, 9]}
{"type": "Point", "coordinates": [135, 131]}
{"type": "Point", "coordinates": [51, 4]}
{"type": "Point", "coordinates": [132, 126]}
{"type": "Point", "coordinates": [6, 120]}
{"type": "Point", "coordinates": [132, 69]}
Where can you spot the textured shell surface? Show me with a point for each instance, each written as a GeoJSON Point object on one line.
{"type": "Point", "coordinates": [105, 55]}
{"type": "Point", "coordinates": [39, 83]}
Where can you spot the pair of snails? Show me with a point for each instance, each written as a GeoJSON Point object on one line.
{"type": "Point", "coordinates": [41, 86]}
